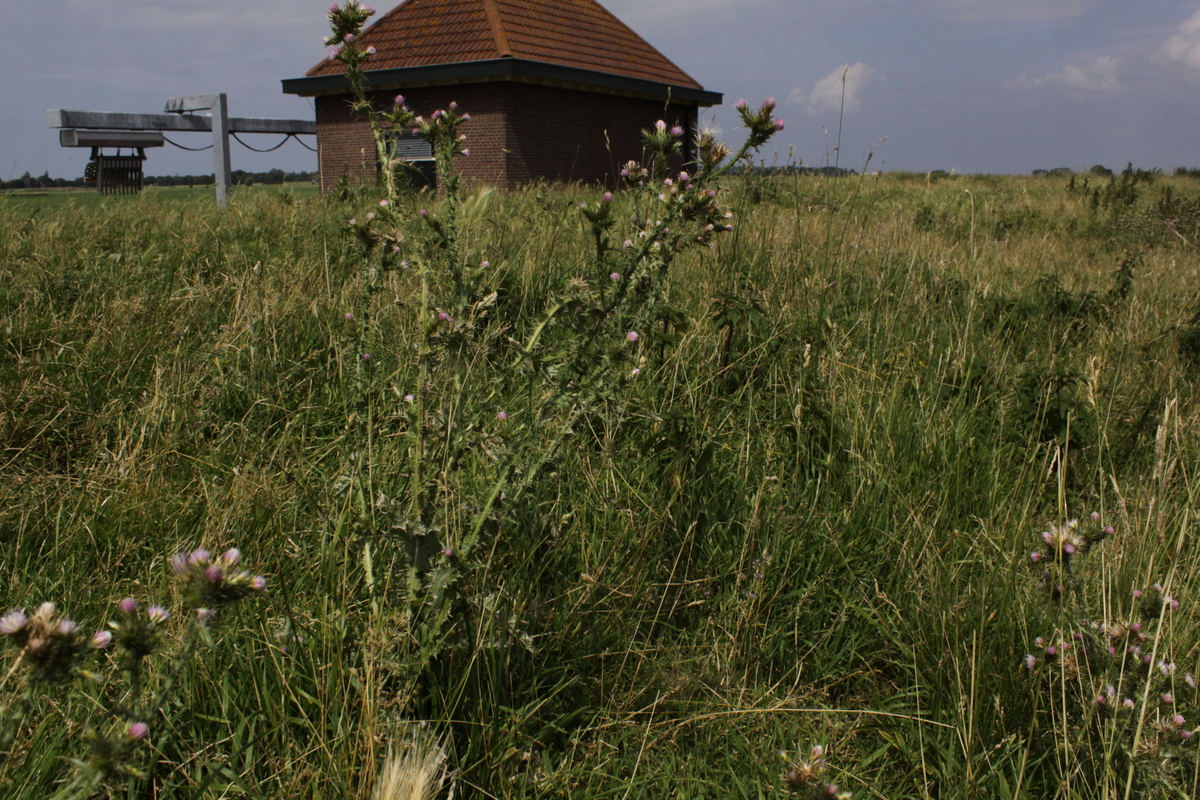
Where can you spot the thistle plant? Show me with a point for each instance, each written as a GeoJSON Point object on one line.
{"type": "Point", "coordinates": [462, 460]}
{"type": "Point", "coordinates": [806, 777]}
{"type": "Point", "coordinates": [1109, 689]}
{"type": "Point", "coordinates": [55, 654]}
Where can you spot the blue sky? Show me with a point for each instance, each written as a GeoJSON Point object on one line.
{"type": "Point", "coordinates": [1000, 86]}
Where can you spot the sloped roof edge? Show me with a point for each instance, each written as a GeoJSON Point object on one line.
{"type": "Point", "coordinates": [511, 69]}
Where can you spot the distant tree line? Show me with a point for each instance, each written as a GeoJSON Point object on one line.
{"type": "Point", "coordinates": [240, 178]}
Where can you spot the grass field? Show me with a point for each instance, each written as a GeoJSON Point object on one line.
{"type": "Point", "coordinates": [797, 510]}
{"type": "Point", "coordinates": [89, 198]}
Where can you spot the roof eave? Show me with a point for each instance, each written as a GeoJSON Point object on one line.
{"type": "Point", "coordinates": [502, 69]}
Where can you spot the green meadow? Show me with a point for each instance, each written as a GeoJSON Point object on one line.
{"type": "Point", "coordinates": [829, 498]}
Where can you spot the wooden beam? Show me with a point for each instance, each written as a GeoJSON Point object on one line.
{"type": "Point", "coordinates": [70, 137]}
{"type": "Point", "coordinates": [107, 120]}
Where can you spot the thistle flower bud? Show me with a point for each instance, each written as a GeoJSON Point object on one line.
{"type": "Point", "coordinates": [349, 37]}
{"type": "Point", "coordinates": [660, 126]}
{"type": "Point", "coordinates": [138, 731]}
{"type": "Point", "coordinates": [779, 124]}
{"type": "Point", "coordinates": [632, 336]}
{"type": "Point", "coordinates": [101, 639]}
{"type": "Point", "coordinates": [371, 50]}
{"type": "Point", "coordinates": [1168, 698]}
{"type": "Point", "coordinates": [158, 614]}
{"type": "Point", "coordinates": [606, 197]}
{"type": "Point", "coordinates": [503, 415]}
{"type": "Point", "coordinates": [398, 99]}
{"type": "Point", "coordinates": [349, 316]}
{"type": "Point", "coordinates": [741, 104]}
{"type": "Point", "coordinates": [453, 106]}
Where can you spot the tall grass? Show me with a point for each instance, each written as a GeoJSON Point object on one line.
{"type": "Point", "coordinates": [806, 521]}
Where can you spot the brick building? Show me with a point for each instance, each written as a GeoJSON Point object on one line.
{"type": "Point", "coordinates": [558, 90]}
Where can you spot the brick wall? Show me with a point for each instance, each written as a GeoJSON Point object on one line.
{"type": "Point", "coordinates": [518, 133]}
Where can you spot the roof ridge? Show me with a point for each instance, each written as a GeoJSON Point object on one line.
{"type": "Point", "coordinates": [493, 15]}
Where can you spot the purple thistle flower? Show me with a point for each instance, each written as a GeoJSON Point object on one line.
{"type": "Point", "coordinates": [779, 124]}
{"type": "Point", "coordinates": [258, 583]}
{"type": "Point", "coordinates": [453, 106]}
{"type": "Point", "coordinates": [231, 556]}
{"type": "Point", "coordinates": [349, 315]}
{"type": "Point", "coordinates": [179, 563]}
{"type": "Point", "coordinates": [1127, 703]}
{"type": "Point", "coordinates": [371, 50]}
{"type": "Point", "coordinates": [1035, 556]}
{"type": "Point", "coordinates": [1137, 593]}
{"type": "Point", "coordinates": [660, 126]}
{"type": "Point", "coordinates": [366, 356]}
{"type": "Point", "coordinates": [349, 37]}
{"type": "Point", "coordinates": [466, 117]}
{"type": "Point", "coordinates": [333, 9]}
{"type": "Point", "coordinates": [67, 626]}
{"type": "Point", "coordinates": [408, 398]}
{"type": "Point", "coordinates": [101, 639]}
{"type": "Point", "coordinates": [1095, 516]}
{"type": "Point", "coordinates": [447, 551]}
{"type": "Point", "coordinates": [370, 11]}
{"type": "Point", "coordinates": [627, 243]}
{"type": "Point", "coordinates": [1030, 661]}
{"type": "Point", "coordinates": [1189, 680]}
{"type": "Point", "coordinates": [606, 197]}
{"type": "Point", "coordinates": [128, 606]}
{"type": "Point", "coordinates": [632, 336]}
{"type": "Point", "coordinates": [741, 104]}
{"type": "Point", "coordinates": [466, 151]}
{"type": "Point", "coordinates": [214, 574]}
{"type": "Point", "coordinates": [1185, 734]}
{"type": "Point", "coordinates": [1168, 698]}
{"type": "Point", "coordinates": [398, 99]}
{"type": "Point", "coordinates": [424, 212]}
{"type": "Point", "coordinates": [1178, 719]}
{"type": "Point", "coordinates": [199, 556]}
{"type": "Point", "coordinates": [12, 622]}
{"type": "Point", "coordinates": [158, 614]}
{"type": "Point", "coordinates": [138, 731]}
{"type": "Point", "coordinates": [437, 114]}
{"type": "Point", "coordinates": [1108, 530]}
{"type": "Point", "coordinates": [635, 372]}
{"type": "Point", "coordinates": [205, 614]}
{"type": "Point", "coordinates": [503, 415]}
{"type": "Point", "coordinates": [677, 131]}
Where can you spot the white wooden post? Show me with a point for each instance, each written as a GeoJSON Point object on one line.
{"type": "Point", "coordinates": [223, 172]}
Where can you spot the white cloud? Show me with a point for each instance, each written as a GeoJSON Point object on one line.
{"type": "Point", "coordinates": [846, 83]}
{"type": "Point", "coordinates": [1184, 45]}
{"type": "Point", "coordinates": [1097, 78]}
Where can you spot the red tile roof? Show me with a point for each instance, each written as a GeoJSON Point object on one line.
{"type": "Point", "coordinates": [570, 33]}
